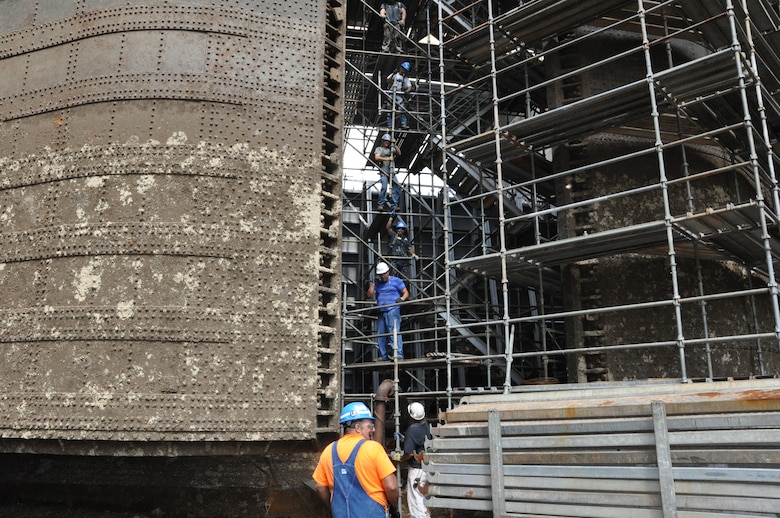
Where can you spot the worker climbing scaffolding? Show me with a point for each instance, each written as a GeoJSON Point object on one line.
{"type": "Point", "coordinates": [399, 85]}
{"type": "Point", "coordinates": [400, 251]}
{"type": "Point", "coordinates": [389, 292]}
{"type": "Point", "coordinates": [384, 156]}
{"type": "Point", "coordinates": [394, 15]}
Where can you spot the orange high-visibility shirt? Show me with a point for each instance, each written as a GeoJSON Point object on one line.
{"type": "Point", "coordinates": [371, 465]}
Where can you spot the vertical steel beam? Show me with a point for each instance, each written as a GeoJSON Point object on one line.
{"type": "Point", "coordinates": [500, 196]}
{"type": "Point", "coordinates": [663, 182]}
{"type": "Point", "coordinates": [664, 461]}
{"type": "Point", "coordinates": [765, 237]}
{"type": "Point", "coordinates": [496, 463]}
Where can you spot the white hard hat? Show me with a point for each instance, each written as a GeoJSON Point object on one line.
{"type": "Point", "coordinates": [382, 268]}
{"type": "Point", "coordinates": [416, 411]}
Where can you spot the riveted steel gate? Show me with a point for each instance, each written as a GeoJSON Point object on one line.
{"type": "Point", "coordinates": [169, 215]}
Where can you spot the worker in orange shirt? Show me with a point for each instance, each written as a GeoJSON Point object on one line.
{"type": "Point", "coordinates": [354, 476]}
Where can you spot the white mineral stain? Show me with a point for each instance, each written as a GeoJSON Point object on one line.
{"type": "Point", "coordinates": [7, 214]}
{"type": "Point", "coordinates": [96, 182]}
{"type": "Point", "coordinates": [258, 381]}
{"type": "Point", "coordinates": [188, 279]}
{"type": "Point", "coordinates": [51, 168]}
{"type": "Point", "coordinates": [138, 371]}
{"type": "Point", "coordinates": [177, 139]}
{"type": "Point", "coordinates": [145, 183]}
{"type": "Point", "coordinates": [88, 278]}
{"type": "Point", "coordinates": [192, 364]}
{"type": "Point", "coordinates": [125, 310]}
{"type": "Point", "coordinates": [100, 397]}
{"type": "Point", "coordinates": [125, 196]}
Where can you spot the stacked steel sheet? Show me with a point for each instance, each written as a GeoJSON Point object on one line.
{"type": "Point", "coordinates": [645, 450]}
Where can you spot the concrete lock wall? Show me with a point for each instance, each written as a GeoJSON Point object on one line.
{"type": "Point", "coordinates": [160, 219]}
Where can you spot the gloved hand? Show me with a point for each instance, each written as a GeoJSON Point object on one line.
{"type": "Point", "coordinates": [396, 455]}
{"type": "Point", "coordinates": [401, 25]}
{"type": "Point", "coordinates": [394, 512]}
{"type": "Point", "coordinates": [399, 300]}
{"type": "Point", "coordinates": [415, 257]}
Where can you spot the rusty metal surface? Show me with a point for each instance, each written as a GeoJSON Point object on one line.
{"type": "Point", "coordinates": [160, 219]}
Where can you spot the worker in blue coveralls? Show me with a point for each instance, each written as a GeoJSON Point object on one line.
{"type": "Point", "coordinates": [389, 292]}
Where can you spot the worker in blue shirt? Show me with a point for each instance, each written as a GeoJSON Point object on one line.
{"type": "Point", "coordinates": [389, 292]}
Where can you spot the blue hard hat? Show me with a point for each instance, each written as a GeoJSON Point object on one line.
{"type": "Point", "coordinates": [387, 137]}
{"type": "Point", "coordinates": [400, 224]}
{"type": "Point", "coordinates": [406, 66]}
{"type": "Point", "coordinates": [355, 412]}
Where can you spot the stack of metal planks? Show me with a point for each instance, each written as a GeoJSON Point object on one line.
{"type": "Point", "coordinates": [643, 450]}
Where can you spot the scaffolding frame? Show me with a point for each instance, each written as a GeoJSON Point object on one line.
{"type": "Point", "coordinates": [505, 217]}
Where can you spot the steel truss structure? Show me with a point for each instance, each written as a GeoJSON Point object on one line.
{"type": "Point", "coordinates": [591, 187]}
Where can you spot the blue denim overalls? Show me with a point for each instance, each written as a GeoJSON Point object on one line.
{"type": "Point", "coordinates": [350, 500]}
